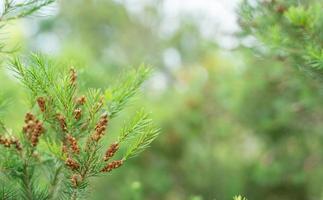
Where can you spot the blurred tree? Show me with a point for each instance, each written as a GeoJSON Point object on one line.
{"type": "Point", "coordinates": [243, 121]}
{"type": "Point", "coordinates": [279, 103]}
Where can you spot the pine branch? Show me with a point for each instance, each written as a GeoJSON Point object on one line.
{"type": "Point", "coordinates": [137, 126]}
{"type": "Point", "coordinates": [55, 181]}
{"type": "Point", "coordinates": [7, 189]}
{"type": "Point", "coordinates": [26, 183]}
{"type": "Point", "coordinates": [76, 123]}
{"type": "Point", "coordinates": [289, 30]}
{"type": "Point", "coordinates": [13, 10]}
{"type": "Point", "coordinates": [118, 96]}
{"type": "Point", "coordinates": [143, 142]}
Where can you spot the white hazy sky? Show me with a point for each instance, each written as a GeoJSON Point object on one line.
{"type": "Point", "coordinates": [218, 19]}
{"type": "Point", "coordinates": [217, 11]}
{"type": "Point", "coordinates": [221, 12]}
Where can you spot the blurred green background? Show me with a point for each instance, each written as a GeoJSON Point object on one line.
{"type": "Point", "coordinates": [232, 122]}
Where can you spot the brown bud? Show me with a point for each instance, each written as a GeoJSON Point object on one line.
{"type": "Point", "coordinates": [100, 128]}
{"type": "Point", "coordinates": [77, 113]}
{"type": "Point", "coordinates": [73, 144]}
{"type": "Point", "coordinates": [41, 103]}
{"type": "Point", "coordinates": [29, 117]}
{"type": "Point", "coordinates": [111, 151]}
{"type": "Point", "coordinates": [76, 179]}
{"type": "Point", "coordinates": [62, 122]}
{"type": "Point", "coordinates": [18, 146]}
{"type": "Point", "coordinates": [81, 100]}
{"type": "Point", "coordinates": [113, 165]}
{"type": "Point", "coordinates": [32, 129]}
{"type": "Point", "coordinates": [7, 142]}
{"type": "Point", "coordinates": [72, 164]}
{"type": "Point", "coordinates": [73, 76]}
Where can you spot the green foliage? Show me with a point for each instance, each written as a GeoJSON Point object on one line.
{"type": "Point", "coordinates": [277, 101]}
{"type": "Point", "coordinates": [299, 16]}
{"type": "Point", "coordinates": [143, 142]}
{"type": "Point", "coordinates": [55, 93]}
{"type": "Point", "coordinates": [233, 121]}
{"type": "Point", "coordinates": [292, 29]}
{"type": "Point", "coordinates": [119, 95]}
{"type": "Point", "coordinates": [239, 198]}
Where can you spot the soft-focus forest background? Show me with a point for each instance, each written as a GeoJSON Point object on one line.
{"type": "Point", "coordinates": [233, 122]}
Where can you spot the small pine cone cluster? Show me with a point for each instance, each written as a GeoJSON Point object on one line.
{"type": "Point", "coordinates": [7, 142]}
{"type": "Point", "coordinates": [81, 100]}
{"type": "Point", "coordinates": [76, 179]}
{"type": "Point", "coordinates": [73, 144]}
{"type": "Point", "coordinates": [73, 76]}
{"type": "Point", "coordinates": [113, 165]}
{"type": "Point", "coordinates": [72, 164]}
{"type": "Point", "coordinates": [62, 122]}
{"type": "Point", "coordinates": [41, 103]}
{"type": "Point", "coordinates": [77, 113]}
{"type": "Point", "coordinates": [100, 128]}
{"type": "Point", "coordinates": [111, 151]}
{"type": "Point", "coordinates": [33, 129]}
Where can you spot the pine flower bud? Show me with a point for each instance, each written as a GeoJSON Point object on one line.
{"type": "Point", "coordinates": [62, 122]}
{"type": "Point", "coordinates": [111, 151]}
{"type": "Point", "coordinates": [18, 145]}
{"type": "Point", "coordinates": [100, 128]}
{"type": "Point", "coordinates": [12, 141]}
{"type": "Point", "coordinates": [73, 143]}
{"type": "Point", "coordinates": [5, 141]}
{"type": "Point", "coordinates": [41, 103]}
{"type": "Point", "coordinates": [33, 129]}
{"type": "Point", "coordinates": [29, 117]}
{"type": "Point", "coordinates": [113, 165]}
{"type": "Point", "coordinates": [76, 179]}
{"type": "Point", "coordinates": [72, 164]}
{"type": "Point", "coordinates": [73, 76]}
{"type": "Point", "coordinates": [81, 100]}
{"type": "Point", "coordinates": [77, 114]}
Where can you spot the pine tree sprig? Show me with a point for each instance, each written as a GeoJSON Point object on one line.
{"type": "Point", "coordinates": [137, 126]}
{"type": "Point", "coordinates": [118, 96]}
{"type": "Point", "coordinates": [14, 10]}
{"type": "Point", "coordinates": [142, 142]}
{"type": "Point", "coordinates": [72, 126]}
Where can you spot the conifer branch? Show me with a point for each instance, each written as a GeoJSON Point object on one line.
{"type": "Point", "coordinates": [118, 96]}
{"type": "Point", "coordinates": [137, 126]}
{"type": "Point", "coordinates": [289, 30]}
{"type": "Point", "coordinates": [143, 142]}
{"type": "Point", "coordinates": [72, 125]}
{"type": "Point", "coordinates": [76, 122]}
{"type": "Point", "coordinates": [13, 10]}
